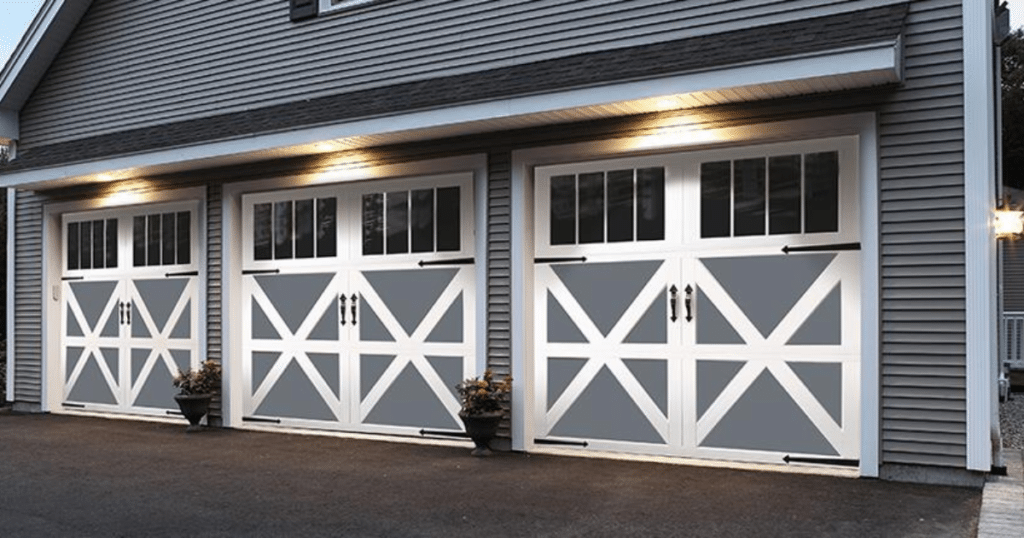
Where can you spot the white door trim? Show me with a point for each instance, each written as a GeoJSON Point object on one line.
{"type": "Point", "coordinates": [524, 161]}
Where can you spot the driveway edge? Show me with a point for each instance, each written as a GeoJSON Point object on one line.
{"type": "Point", "coordinates": [1002, 504]}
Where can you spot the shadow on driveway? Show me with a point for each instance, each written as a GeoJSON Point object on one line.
{"type": "Point", "coordinates": [74, 476]}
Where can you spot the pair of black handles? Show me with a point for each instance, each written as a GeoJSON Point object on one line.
{"type": "Point", "coordinates": [687, 302]}
{"type": "Point", "coordinates": [341, 307]}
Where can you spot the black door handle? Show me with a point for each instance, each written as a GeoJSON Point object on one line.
{"type": "Point", "coordinates": [120, 311]}
{"type": "Point", "coordinates": [672, 302]}
{"type": "Point", "coordinates": [128, 313]}
{"type": "Point", "coordinates": [689, 302]}
{"type": "Point", "coordinates": [341, 307]}
{"type": "Point", "coordinates": [355, 298]}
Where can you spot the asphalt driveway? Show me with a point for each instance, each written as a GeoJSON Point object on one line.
{"type": "Point", "coordinates": [70, 476]}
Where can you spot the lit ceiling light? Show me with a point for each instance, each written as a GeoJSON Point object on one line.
{"type": "Point", "coordinates": [1008, 223]}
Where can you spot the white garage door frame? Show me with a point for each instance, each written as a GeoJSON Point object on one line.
{"type": "Point", "coordinates": [350, 169]}
{"type": "Point", "coordinates": [863, 126]}
{"type": "Point", "coordinates": [134, 198]}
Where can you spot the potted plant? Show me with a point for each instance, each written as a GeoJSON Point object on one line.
{"type": "Point", "coordinates": [195, 390]}
{"type": "Point", "coordinates": [481, 408]}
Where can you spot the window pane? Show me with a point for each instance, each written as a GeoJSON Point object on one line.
{"type": "Point", "coordinates": [262, 237]}
{"type": "Point", "coordinates": [373, 224]}
{"type": "Point", "coordinates": [715, 197]}
{"type": "Point", "coordinates": [72, 240]}
{"type": "Point", "coordinates": [650, 194]}
{"type": "Point", "coordinates": [153, 249]}
{"type": "Point", "coordinates": [398, 222]}
{"type": "Point", "coordinates": [169, 244]}
{"type": "Point", "coordinates": [111, 243]}
{"type": "Point", "coordinates": [139, 241]}
{"type": "Point", "coordinates": [449, 220]}
{"type": "Point", "coordinates": [563, 210]}
{"type": "Point", "coordinates": [282, 230]}
{"type": "Point", "coordinates": [326, 227]}
{"type": "Point", "coordinates": [784, 195]}
{"type": "Point", "coordinates": [85, 245]}
{"type": "Point", "coordinates": [422, 220]}
{"type": "Point", "coordinates": [821, 201]}
{"type": "Point", "coordinates": [184, 237]}
{"type": "Point", "coordinates": [304, 228]}
{"type": "Point", "coordinates": [749, 196]}
{"type": "Point", "coordinates": [620, 205]}
{"type": "Point", "coordinates": [98, 236]}
{"type": "Point", "coordinates": [592, 208]}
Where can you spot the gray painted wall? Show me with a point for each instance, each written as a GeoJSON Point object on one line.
{"type": "Point", "coordinates": [134, 64]}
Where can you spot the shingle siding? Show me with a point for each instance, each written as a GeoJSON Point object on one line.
{"type": "Point", "coordinates": [134, 64]}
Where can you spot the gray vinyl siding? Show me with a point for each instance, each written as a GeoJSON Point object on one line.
{"type": "Point", "coordinates": [1013, 275]}
{"type": "Point", "coordinates": [499, 267]}
{"type": "Point", "coordinates": [923, 293]}
{"type": "Point", "coordinates": [135, 64]}
{"type": "Point", "coordinates": [28, 299]}
{"type": "Point", "coordinates": [214, 317]}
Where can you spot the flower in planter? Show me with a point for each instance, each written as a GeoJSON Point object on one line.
{"type": "Point", "coordinates": [479, 396]}
{"type": "Point", "coordinates": [205, 380]}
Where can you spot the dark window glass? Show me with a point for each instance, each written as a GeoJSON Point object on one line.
{"type": "Point", "coordinates": [139, 241]}
{"type": "Point", "coordinates": [620, 205]}
{"type": "Point", "coordinates": [282, 230]}
{"type": "Point", "coordinates": [262, 231]}
{"type": "Point", "coordinates": [592, 208]}
{"type": "Point", "coordinates": [749, 196]}
{"type": "Point", "coordinates": [111, 243]}
{"type": "Point", "coordinates": [397, 222]}
{"type": "Point", "coordinates": [650, 195]}
{"type": "Point", "coordinates": [563, 210]}
{"type": "Point", "coordinates": [85, 245]}
{"type": "Point", "coordinates": [304, 228]}
{"type": "Point", "coordinates": [715, 197]}
{"type": "Point", "coordinates": [153, 249]}
{"type": "Point", "coordinates": [98, 236]}
{"type": "Point", "coordinates": [373, 224]}
{"type": "Point", "coordinates": [449, 220]}
{"type": "Point", "coordinates": [326, 227]}
{"type": "Point", "coordinates": [421, 220]}
{"type": "Point", "coordinates": [784, 195]}
{"type": "Point", "coordinates": [821, 192]}
{"type": "Point", "coordinates": [184, 237]}
{"type": "Point", "coordinates": [72, 240]}
{"type": "Point", "coordinates": [169, 244]}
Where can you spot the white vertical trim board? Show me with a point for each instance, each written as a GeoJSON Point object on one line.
{"type": "Point", "coordinates": [979, 200]}
{"type": "Point", "coordinates": [11, 205]}
{"type": "Point", "coordinates": [870, 397]}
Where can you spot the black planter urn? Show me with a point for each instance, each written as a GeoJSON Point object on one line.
{"type": "Point", "coordinates": [194, 407]}
{"type": "Point", "coordinates": [481, 428]}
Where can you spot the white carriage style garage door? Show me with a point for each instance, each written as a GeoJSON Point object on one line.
{"type": "Point", "coordinates": [129, 307]}
{"type": "Point", "coordinates": [358, 305]}
{"type": "Point", "coordinates": [703, 304]}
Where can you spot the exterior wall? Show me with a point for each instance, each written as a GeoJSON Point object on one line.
{"type": "Point", "coordinates": [214, 316]}
{"type": "Point", "coordinates": [28, 301]}
{"type": "Point", "coordinates": [923, 328]}
{"type": "Point", "coordinates": [1013, 275]}
{"type": "Point", "coordinates": [499, 268]}
{"type": "Point", "coordinates": [134, 64]}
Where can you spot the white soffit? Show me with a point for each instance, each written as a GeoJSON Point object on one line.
{"type": "Point", "coordinates": [828, 71]}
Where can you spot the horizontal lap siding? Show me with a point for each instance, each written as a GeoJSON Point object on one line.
{"type": "Point", "coordinates": [134, 64]}
{"type": "Point", "coordinates": [214, 317]}
{"type": "Point", "coordinates": [1013, 275]}
{"type": "Point", "coordinates": [28, 299]}
{"type": "Point", "coordinates": [499, 267]}
{"type": "Point", "coordinates": [923, 291]}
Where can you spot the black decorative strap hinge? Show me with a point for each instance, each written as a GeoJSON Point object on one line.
{"type": "Point", "coordinates": [821, 248]}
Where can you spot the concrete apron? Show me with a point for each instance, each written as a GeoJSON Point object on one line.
{"type": "Point", "coordinates": [1002, 508]}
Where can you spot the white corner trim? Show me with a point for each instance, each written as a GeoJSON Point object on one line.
{"type": "Point", "coordinates": [11, 194]}
{"type": "Point", "coordinates": [980, 243]}
{"type": "Point", "coordinates": [870, 397]}
{"type": "Point", "coordinates": [876, 63]}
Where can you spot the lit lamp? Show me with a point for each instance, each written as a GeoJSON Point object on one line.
{"type": "Point", "coordinates": [1009, 222]}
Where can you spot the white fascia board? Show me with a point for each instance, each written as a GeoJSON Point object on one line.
{"type": "Point", "coordinates": [881, 62]}
{"type": "Point", "coordinates": [980, 242]}
{"type": "Point", "coordinates": [11, 193]}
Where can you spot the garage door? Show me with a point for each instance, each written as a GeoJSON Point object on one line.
{"type": "Point", "coordinates": [359, 305]}
{"type": "Point", "coordinates": [129, 313]}
{"type": "Point", "coordinates": [702, 304]}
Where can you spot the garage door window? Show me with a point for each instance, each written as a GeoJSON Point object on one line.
{"type": "Point", "coordinates": [420, 220]}
{"type": "Point", "coordinates": [92, 244]}
{"type": "Point", "coordinates": [608, 207]}
{"type": "Point", "coordinates": [786, 194]}
{"type": "Point", "coordinates": [293, 229]}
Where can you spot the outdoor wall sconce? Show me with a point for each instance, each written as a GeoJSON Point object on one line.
{"type": "Point", "coordinates": [1008, 222]}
